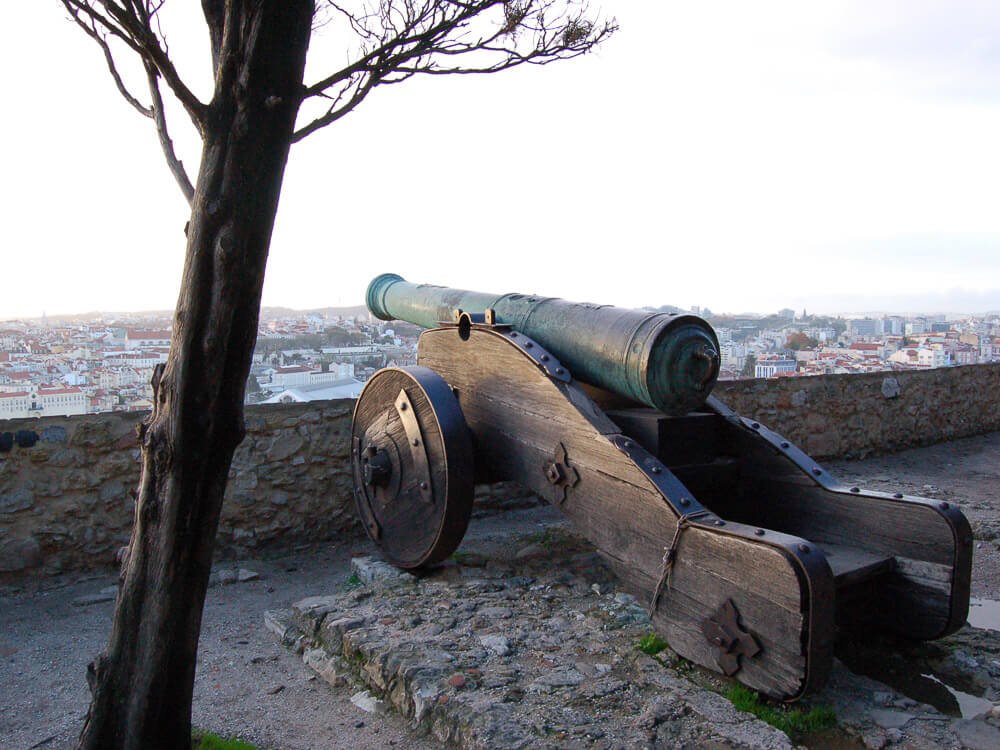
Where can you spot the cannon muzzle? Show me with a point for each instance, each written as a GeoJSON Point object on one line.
{"type": "Point", "coordinates": [667, 361]}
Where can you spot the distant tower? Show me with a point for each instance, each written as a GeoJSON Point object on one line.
{"type": "Point", "coordinates": [45, 320]}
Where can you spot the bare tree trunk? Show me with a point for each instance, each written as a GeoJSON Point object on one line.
{"type": "Point", "coordinates": [142, 683]}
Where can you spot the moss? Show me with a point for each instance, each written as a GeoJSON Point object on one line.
{"type": "Point", "coordinates": [208, 741]}
{"type": "Point", "coordinates": [353, 581]}
{"type": "Point", "coordinates": [795, 722]}
{"type": "Point", "coordinates": [651, 644]}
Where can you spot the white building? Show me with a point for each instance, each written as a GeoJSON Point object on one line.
{"type": "Point", "coordinates": [346, 388]}
{"type": "Point", "coordinates": [769, 368]}
{"type": "Point", "coordinates": [43, 401]}
{"type": "Point", "coordinates": [142, 339]}
{"type": "Point", "coordinates": [14, 405]}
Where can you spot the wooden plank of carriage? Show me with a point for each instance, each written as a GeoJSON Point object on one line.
{"type": "Point", "coordinates": [519, 418]}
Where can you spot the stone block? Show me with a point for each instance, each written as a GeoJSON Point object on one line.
{"type": "Point", "coordinates": [16, 500]}
{"type": "Point", "coordinates": [368, 702]}
{"type": "Point", "coordinates": [19, 554]}
{"type": "Point", "coordinates": [379, 574]}
{"type": "Point", "coordinates": [111, 491]}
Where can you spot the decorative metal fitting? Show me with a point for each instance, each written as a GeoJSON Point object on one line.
{"type": "Point", "coordinates": [560, 473]}
{"type": "Point", "coordinates": [731, 641]}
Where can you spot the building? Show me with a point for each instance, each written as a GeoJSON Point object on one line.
{"type": "Point", "coordinates": [346, 388]}
{"type": "Point", "coordinates": [43, 401]}
{"type": "Point", "coordinates": [15, 404]}
{"type": "Point", "coordinates": [772, 367]}
{"type": "Point", "coordinates": [865, 328]}
{"type": "Point", "coordinates": [136, 338]}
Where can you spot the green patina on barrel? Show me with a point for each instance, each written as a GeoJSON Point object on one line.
{"type": "Point", "coordinates": [667, 361]}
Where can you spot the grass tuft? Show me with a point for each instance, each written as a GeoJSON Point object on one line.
{"type": "Point", "coordinates": [353, 581]}
{"type": "Point", "coordinates": [794, 722]}
{"type": "Point", "coordinates": [208, 741]}
{"type": "Point", "coordinates": [651, 644]}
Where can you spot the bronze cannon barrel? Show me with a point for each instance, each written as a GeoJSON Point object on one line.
{"type": "Point", "coordinates": [667, 361]}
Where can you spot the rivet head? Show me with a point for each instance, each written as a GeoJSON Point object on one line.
{"type": "Point", "coordinates": [685, 502]}
{"type": "Point", "coordinates": [855, 489]}
{"type": "Point", "coordinates": [416, 442]}
{"type": "Point", "coordinates": [423, 485]}
{"type": "Point", "coordinates": [513, 334]}
{"type": "Point", "coordinates": [559, 371]}
{"type": "Point", "coordinates": [817, 471]}
{"type": "Point", "coordinates": [784, 444]}
{"type": "Point", "coordinates": [720, 522]}
{"type": "Point", "coordinates": [544, 358]}
{"type": "Point", "coordinates": [944, 506]}
{"type": "Point", "coordinates": [528, 345]}
{"type": "Point", "coordinates": [656, 470]}
{"type": "Point", "coordinates": [898, 496]}
{"type": "Point", "coordinates": [402, 406]}
{"type": "Point", "coordinates": [628, 443]}
{"type": "Point", "coordinates": [804, 548]}
{"type": "Point", "coordinates": [756, 425]}
{"type": "Point", "coordinates": [759, 532]}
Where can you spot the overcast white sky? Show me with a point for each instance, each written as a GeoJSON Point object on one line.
{"type": "Point", "coordinates": [838, 156]}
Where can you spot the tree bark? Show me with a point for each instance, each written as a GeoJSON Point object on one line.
{"type": "Point", "coordinates": [142, 683]}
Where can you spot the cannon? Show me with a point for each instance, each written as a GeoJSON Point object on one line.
{"type": "Point", "coordinates": [750, 556]}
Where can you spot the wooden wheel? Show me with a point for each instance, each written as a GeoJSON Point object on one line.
{"type": "Point", "coordinates": [412, 461]}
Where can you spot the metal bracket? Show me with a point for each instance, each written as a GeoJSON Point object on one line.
{"type": "Point", "coordinates": [731, 641]}
{"type": "Point", "coordinates": [560, 473]}
{"type": "Point", "coordinates": [676, 495]}
{"type": "Point", "coordinates": [415, 440]}
{"type": "Point", "coordinates": [546, 361]}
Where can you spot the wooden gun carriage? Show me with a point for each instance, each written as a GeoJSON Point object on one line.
{"type": "Point", "coordinates": [749, 554]}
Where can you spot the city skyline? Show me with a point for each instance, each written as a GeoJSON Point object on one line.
{"type": "Point", "coordinates": [738, 158]}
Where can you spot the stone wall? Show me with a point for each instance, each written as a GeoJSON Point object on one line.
{"type": "Point", "coordinates": [853, 416]}
{"type": "Point", "coordinates": [66, 503]}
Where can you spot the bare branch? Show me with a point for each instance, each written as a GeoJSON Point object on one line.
{"type": "Point", "coordinates": [175, 165]}
{"type": "Point", "coordinates": [335, 112]}
{"type": "Point", "coordinates": [118, 22]}
{"type": "Point", "coordinates": [92, 31]}
{"type": "Point", "coordinates": [132, 23]}
{"type": "Point", "coordinates": [403, 38]}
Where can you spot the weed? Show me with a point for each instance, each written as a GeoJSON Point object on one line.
{"type": "Point", "coordinates": [794, 722]}
{"type": "Point", "coordinates": [208, 741]}
{"type": "Point", "coordinates": [353, 581]}
{"type": "Point", "coordinates": [651, 644]}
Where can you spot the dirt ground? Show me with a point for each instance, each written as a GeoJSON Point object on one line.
{"type": "Point", "coordinates": [248, 685]}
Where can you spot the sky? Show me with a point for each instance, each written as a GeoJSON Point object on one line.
{"type": "Point", "coordinates": [742, 156]}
